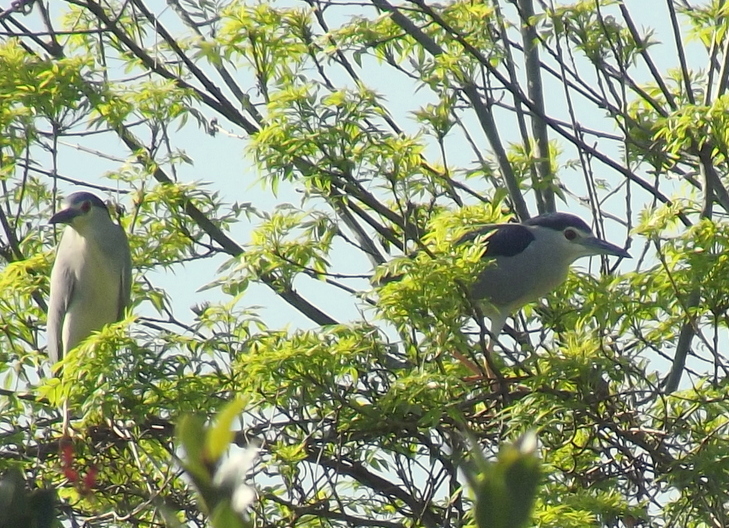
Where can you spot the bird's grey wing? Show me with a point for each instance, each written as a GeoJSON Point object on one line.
{"type": "Point", "coordinates": [471, 236]}
{"type": "Point", "coordinates": [504, 240]}
{"type": "Point", "coordinates": [125, 275]}
{"type": "Point", "coordinates": [498, 283]}
{"type": "Point", "coordinates": [63, 283]}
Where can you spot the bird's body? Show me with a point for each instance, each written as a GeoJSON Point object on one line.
{"type": "Point", "coordinates": [517, 280]}
{"type": "Point", "coordinates": [91, 277]}
{"type": "Point", "coordinates": [529, 260]}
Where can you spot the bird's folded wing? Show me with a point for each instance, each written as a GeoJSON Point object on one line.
{"type": "Point", "coordinates": [63, 282]}
{"type": "Point", "coordinates": [502, 240]}
{"type": "Point", "coordinates": [125, 277]}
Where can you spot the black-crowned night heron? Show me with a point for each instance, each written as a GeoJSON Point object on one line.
{"type": "Point", "coordinates": [92, 275]}
{"type": "Point", "coordinates": [529, 260]}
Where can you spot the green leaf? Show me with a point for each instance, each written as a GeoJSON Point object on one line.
{"type": "Point", "coordinates": [507, 489]}
{"type": "Point", "coordinates": [191, 434]}
{"type": "Point", "coordinates": [220, 434]}
{"type": "Point", "coordinates": [225, 517]}
{"type": "Point", "coordinates": [20, 509]}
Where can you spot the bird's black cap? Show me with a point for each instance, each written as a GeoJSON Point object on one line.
{"type": "Point", "coordinates": [71, 211]}
{"type": "Point", "coordinates": [83, 196]}
{"type": "Point", "coordinates": [559, 221]}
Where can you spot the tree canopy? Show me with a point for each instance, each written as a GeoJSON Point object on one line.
{"type": "Point", "coordinates": [282, 158]}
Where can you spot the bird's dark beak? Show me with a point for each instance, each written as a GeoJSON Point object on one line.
{"type": "Point", "coordinates": [65, 216]}
{"type": "Point", "coordinates": [600, 247]}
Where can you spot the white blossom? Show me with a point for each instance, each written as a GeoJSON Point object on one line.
{"type": "Point", "coordinates": [230, 477]}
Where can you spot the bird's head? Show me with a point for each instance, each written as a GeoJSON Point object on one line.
{"type": "Point", "coordinates": [572, 236]}
{"type": "Point", "coordinates": [80, 209]}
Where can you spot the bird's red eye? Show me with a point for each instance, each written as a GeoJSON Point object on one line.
{"type": "Point", "coordinates": [86, 207]}
{"type": "Point", "coordinates": [570, 234]}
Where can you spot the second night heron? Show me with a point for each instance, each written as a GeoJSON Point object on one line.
{"type": "Point", "coordinates": [92, 275]}
{"type": "Point", "coordinates": [530, 260]}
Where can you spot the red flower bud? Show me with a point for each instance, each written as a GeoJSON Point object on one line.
{"type": "Point", "coordinates": [90, 478]}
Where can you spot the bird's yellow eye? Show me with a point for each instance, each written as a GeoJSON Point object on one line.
{"type": "Point", "coordinates": [570, 234]}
